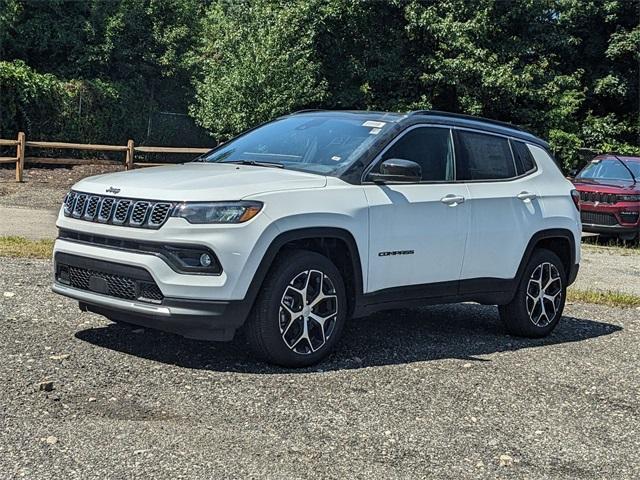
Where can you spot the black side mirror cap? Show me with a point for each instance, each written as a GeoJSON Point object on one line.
{"type": "Point", "coordinates": [397, 170]}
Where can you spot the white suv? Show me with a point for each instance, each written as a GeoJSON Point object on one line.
{"type": "Point", "coordinates": [293, 227]}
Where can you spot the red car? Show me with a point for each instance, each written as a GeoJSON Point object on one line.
{"type": "Point", "coordinates": [610, 196]}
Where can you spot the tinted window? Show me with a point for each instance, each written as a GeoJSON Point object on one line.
{"type": "Point", "coordinates": [431, 148]}
{"type": "Point", "coordinates": [522, 155]}
{"type": "Point", "coordinates": [484, 157]}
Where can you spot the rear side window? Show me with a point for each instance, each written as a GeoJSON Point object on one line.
{"type": "Point", "coordinates": [522, 156]}
{"type": "Point", "coordinates": [483, 157]}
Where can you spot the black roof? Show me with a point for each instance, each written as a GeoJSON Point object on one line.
{"type": "Point", "coordinates": [440, 117]}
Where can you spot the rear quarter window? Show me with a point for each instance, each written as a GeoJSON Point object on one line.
{"type": "Point", "coordinates": [523, 157]}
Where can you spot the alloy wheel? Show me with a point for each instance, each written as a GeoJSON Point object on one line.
{"type": "Point", "coordinates": [544, 294]}
{"type": "Point", "coordinates": [308, 312]}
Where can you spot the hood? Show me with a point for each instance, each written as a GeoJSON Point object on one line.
{"type": "Point", "coordinates": [199, 182]}
{"type": "Point", "coordinates": [606, 185]}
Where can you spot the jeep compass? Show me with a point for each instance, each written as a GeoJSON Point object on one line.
{"type": "Point", "coordinates": [294, 227]}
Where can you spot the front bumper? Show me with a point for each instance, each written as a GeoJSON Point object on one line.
{"type": "Point", "coordinates": [202, 320]}
{"type": "Point", "coordinates": [614, 229]}
{"type": "Point", "coordinates": [126, 292]}
{"type": "Point", "coordinates": [615, 219]}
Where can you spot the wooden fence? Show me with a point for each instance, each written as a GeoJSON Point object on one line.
{"type": "Point", "coordinates": [128, 150]}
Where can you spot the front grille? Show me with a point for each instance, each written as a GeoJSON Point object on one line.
{"type": "Point", "coordinates": [81, 202]}
{"type": "Point", "coordinates": [69, 202]}
{"type": "Point", "coordinates": [105, 278]}
{"type": "Point", "coordinates": [598, 218]}
{"type": "Point", "coordinates": [120, 287]}
{"type": "Point", "coordinates": [139, 213]}
{"type": "Point", "coordinates": [593, 197]}
{"type": "Point", "coordinates": [159, 213]}
{"type": "Point", "coordinates": [122, 211]}
{"type": "Point", "coordinates": [106, 207]}
{"type": "Point", "coordinates": [92, 207]}
{"type": "Point", "coordinates": [629, 217]}
{"type": "Point", "coordinates": [150, 292]}
{"type": "Point", "coordinates": [117, 211]}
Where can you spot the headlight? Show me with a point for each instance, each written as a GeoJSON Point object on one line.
{"type": "Point", "coordinates": [629, 198]}
{"type": "Point", "coordinates": [217, 212]}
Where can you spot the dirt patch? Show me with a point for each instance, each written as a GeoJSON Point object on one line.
{"type": "Point", "coordinates": [44, 187]}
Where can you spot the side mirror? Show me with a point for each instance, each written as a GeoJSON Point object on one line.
{"type": "Point", "coordinates": [397, 170]}
{"type": "Point", "coordinates": [573, 172]}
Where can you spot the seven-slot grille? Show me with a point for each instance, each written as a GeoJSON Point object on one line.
{"type": "Point", "coordinates": [598, 197]}
{"type": "Point", "coordinates": [117, 211]}
{"type": "Point", "coordinates": [598, 218]}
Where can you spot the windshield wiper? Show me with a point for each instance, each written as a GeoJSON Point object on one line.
{"type": "Point", "coordinates": [627, 167]}
{"type": "Point", "coordinates": [258, 163]}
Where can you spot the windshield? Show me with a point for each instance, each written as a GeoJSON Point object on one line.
{"type": "Point", "coordinates": [609, 169]}
{"type": "Point", "coordinates": [315, 144]}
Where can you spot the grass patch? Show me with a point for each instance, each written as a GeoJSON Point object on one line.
{"type": "Point", "coordinates": [612, 250]}
{"type": "Point", "coordinates": [609, 297]}
{"type": "Point", "coordinates": [611, 247]}
{"type": "Point", "coordinates": [24, 248]}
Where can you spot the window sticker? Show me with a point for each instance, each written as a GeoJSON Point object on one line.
{"type": "Point", "coordinates": [336, 158]}
{"type": "Point", "coordinates": [371, 123]}
{"type": "Point", "coordinates": [374, 131]}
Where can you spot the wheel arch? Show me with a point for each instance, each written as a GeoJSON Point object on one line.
{"type": "Point", "coordinates": [561, 241]}
{"type": "Point", "coordinates": [325, 240]}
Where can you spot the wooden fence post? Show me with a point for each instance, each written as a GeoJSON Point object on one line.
{"type": "Point", "coordinates": [20, 154]}
{"type": "Point", "coordinates": [128, 163]}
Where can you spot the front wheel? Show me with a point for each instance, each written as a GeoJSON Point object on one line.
{"type": "Point", "coordinates": [539, 301]}
{"type": "Point", "coordinates": [300, 312]}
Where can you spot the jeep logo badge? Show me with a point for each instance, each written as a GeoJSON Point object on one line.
{"type": "Point", "coordinates": [113, 190]}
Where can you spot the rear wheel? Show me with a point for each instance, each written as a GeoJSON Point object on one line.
{"type": "Point", "coordinates": [539, 301]}
{"type": "Point", "coordinates": [300, 312]}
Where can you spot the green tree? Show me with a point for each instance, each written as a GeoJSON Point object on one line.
{"type": "Point", "coordinates": [256, 62]}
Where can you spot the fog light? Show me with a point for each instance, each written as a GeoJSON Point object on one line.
{"type": "Point", "coordinates": [205, 260]}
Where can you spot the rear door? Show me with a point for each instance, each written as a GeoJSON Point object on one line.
{"type": "Point", "coordinates": [418, 231]}
{"type": "Point", "coordinates": [504, 204]}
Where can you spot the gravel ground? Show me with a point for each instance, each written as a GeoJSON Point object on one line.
{"type": "Point", "coordinates": [609, 268]}
{"type": "Point", "coordinates": [441, 392]}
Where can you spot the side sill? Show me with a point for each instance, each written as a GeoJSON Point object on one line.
{"type": "Point", "coordinates": [486, 291]}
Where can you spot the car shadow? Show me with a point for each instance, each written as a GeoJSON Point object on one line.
{"type": "Point", "coordinates": [462, 331]}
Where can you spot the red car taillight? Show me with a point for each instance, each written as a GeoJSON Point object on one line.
{"type": "Point", "coordinates": [575, 196]}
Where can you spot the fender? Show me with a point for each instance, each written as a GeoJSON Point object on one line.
{"type": "Point", "coordinates": [572, 270]}
{"type": "Point", "coordinates": [302, 234]}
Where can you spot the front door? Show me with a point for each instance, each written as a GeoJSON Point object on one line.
{"type": "Point", "coordinates": [418, 231]}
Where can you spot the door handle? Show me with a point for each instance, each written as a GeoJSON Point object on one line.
{"type": "Point", "coordinates": [526, 196]}
{"type": "Point", "coordinates": [452, 200]}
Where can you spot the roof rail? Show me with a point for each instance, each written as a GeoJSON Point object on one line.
{"type": "Point", "coordinates": [306, 110]}
{"type": "Point", "coordinates": [463, 116]}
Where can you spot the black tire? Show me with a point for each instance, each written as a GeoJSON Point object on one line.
{"type": "Point", "coordinates": [270, 331]}
{"type": "Point", "coordinates": [629, 238]}
{"type": "Point", "coordinates": [519, 316]}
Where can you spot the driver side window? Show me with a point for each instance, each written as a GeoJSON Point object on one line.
{"type": "Point", "coordinates": [429, 147]}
